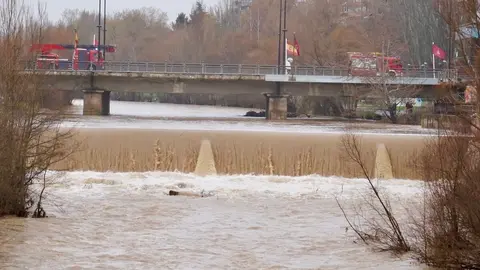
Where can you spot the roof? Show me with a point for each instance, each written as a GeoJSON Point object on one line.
{"type": "Point", "coordinates": [468, 32]}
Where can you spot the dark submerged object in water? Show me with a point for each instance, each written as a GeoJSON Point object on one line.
{"type": "Point", "coordinates": [263, 114]}
{"type": "Point", "coordinates": [255, 114]}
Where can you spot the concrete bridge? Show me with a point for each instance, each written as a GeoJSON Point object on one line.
{"type": "Point", "coordinates": [228, 79]}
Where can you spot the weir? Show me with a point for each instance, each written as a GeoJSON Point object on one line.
{"type": "Point", "coordinates": [237, 152]}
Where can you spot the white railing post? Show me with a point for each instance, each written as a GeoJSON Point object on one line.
{"type": "Point", "coordinates": [203, 67]}
{"type": "Point", "coordinates": [184, 68]}
{"type": "Point", "coordinates": [257, 69]}
{"type": "Point", "coordinates": [221, 69]}
{"type": "Point", "coordinates": [240, 69]}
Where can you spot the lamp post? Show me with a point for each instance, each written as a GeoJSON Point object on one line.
{"type": "Point", "coordinates": [99, 27]}
{"type": "Point", "coordinates": [104, 28]}
{"type": "Point", "coordinates": [285, 36]}
{"type": "Point", "coordinates": [279, 62]}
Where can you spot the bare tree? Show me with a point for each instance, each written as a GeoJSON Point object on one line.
{"type": "Point", "coordinates": [420, 25]}
{"type": "Point", "coordinates": [387, 84]}
{"type": "Point", "coordinates": [31, 139]}
{"type": "Point", "coordinates": [378, 224]}
{"type": "Point", "coordinates": [140, 33]}
{"type": "Point", "coordinates": [388, 93]}
{"type": "Point", "coordinates": [324, 34]}
{"type": "Point", "coordinates": [450, 229]}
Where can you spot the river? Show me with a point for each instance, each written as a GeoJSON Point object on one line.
{"type": "Point", "coordinates": [126, 220]}
{"type": "Point", "coordinates": [138, 115]}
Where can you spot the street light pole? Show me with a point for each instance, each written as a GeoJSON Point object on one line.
{"type": "Point", "coordinates": [279, 63]}
{"type": "Point", "coordinates": [104, 28]}
{"type": "Point", "coordinates": [99, 27]}
{"type": "Point", "coordinates": [285, 36]}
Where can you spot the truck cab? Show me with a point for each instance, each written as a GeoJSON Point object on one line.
{"type": "Point", "coordinates": [48, 61]}
{"type": "Point", "coordinates": [88, 59]}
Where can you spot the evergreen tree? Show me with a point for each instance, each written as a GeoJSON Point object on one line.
{"type": "Point", "coordinates": [181, 21]}
{"type": "Point", "coordinates": [198, 13]}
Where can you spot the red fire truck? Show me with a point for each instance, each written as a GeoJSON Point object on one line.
{"type": "Point", "coordinates": [374, 64]}
{"type": "Point", "coordinates": [85, 57]}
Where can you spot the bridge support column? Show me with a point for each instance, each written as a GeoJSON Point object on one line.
{"type": "Point", "coordinates": [276, 108]}
{"type": "Point", "coordinates": [96, 102]}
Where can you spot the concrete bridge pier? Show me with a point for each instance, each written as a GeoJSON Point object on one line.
{"type": "Point", "coordinates": [276, 107]}
{"type": "Point", "coordinates": [96, 102]}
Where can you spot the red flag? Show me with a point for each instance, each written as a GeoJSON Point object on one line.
{"type": "Point", "coordinates": [296, 45]}
{"type": "Point", "coordinates": [293, 49]}
{"type": "Point", "coordinates": [438, 52]}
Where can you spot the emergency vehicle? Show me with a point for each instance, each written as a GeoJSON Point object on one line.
{"type": "Point", "coordinates": [374, 64]}
{"type": "Point", "coordinates": [84, 57]}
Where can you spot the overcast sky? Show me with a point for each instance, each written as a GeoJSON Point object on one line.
{"type": "Point", "coordinates": [171, 7]}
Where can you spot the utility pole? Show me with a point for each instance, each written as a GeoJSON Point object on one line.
{"type": "Point", "coordinates": [285, 36]}
{"type": "Point", "coordinates": [104, 29]}
{"type": "Point", "coordinates": [279, 62]}
{"type": "Point", "coordinates": [99, 27]}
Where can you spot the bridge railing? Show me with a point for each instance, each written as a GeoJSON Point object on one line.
{"type": "Point", "coordinates": [205, 68]}
{"type": "Point", "coordinates": [236, 69]}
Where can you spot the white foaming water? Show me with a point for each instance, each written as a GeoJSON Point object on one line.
{"type": "Point", "coordinates": [149, 109]}
{"type": "Point", "coordinates": [254, 126]}
{"type": "Point", "coordinates": [126, 221]}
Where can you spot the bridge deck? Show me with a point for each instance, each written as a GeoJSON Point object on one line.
{"type": "Point", "coordinates": [314, 79]}
{"type": "Point", "coordinates": [351, 80]}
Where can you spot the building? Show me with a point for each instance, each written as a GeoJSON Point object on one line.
{"type": "Point", "coordinates": [355, 8]}
{"type": "Point", "coordinates": [242, 4]}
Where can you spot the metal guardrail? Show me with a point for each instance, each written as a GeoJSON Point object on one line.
{"type": "Point", "coordinates": [239, 69]}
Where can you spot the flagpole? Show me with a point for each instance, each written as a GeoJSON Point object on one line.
{"type": "Point", "coordinates": [433, 60]}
